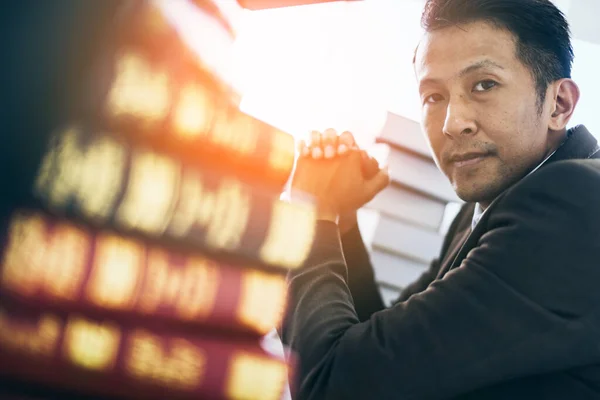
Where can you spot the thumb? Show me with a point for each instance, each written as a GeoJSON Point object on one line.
{"type": "Point", "coordinates": [376, 184]}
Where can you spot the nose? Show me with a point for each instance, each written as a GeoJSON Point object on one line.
{"type": "Point", "coordinates": [459, 118]}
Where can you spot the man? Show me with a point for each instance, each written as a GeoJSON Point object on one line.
{"type": "Point", "coordinates": [510, 309]}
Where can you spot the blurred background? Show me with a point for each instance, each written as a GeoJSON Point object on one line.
{"type": "Point", "coordinates": [348, 65]}
{"type": "Point", "coordinates": [343, 64]}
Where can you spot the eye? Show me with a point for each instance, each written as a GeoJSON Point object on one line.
{"type": "Point", "coordinates": [484, 86]}
{"type": "Point", "coordinates": [434, 98]}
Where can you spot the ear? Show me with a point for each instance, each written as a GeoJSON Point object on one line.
{"type": "Point", "coordinates": [565, 94]}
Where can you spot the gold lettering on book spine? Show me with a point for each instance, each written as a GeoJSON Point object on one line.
{"type": "Point", "coordinates": [230, 216]}
{"type": "Point", "coordinates": [290, 235]}
{"type": "Point", "coordinates": [223, 132]}
{"type": "Point", "coordinates": [187, 211]}
{"type": "Point", "coordinates": [138, 90]}
{"type": "Point", "coordinates": [116, 271]}
{"type": "Point", "coordinates": [38, 260]}
{"type": "Point", "coordinates": [262, 300]}
{"type": "Point", "coordinates": [91, 177]}
{"type": "Point", "coordinates": [39, 339]}
{"type": "Point", "coordinates": [102, 173]}
{"type": "Point", "coordinates": [255, 378]}
{"type": "Point", "coordinates": [223, 214]}
{"type": "Point", "coordinates": [281, 157]}
{"type": "Point", "coordinates": [182, 367]}
{"type": "Point", "coordinates": [190, 289]}
{"type": "Point", "coordinates": [65, 257]}
{"type": "Point", "coordinates": [198, 292]}
{"type": "Point", "coordinates": [194, 112]}
{"type": "Point", "coordinates": [91, 345]}
{"type": "Point", "coordinates": [239, 132]}
{"type": "Point", "coordinates": [23, 262]}
{"type": "Point", "coordinates": [161, 284]}
{"type": "Point", "coordinates": [149, 197]}
{"type": "Point", "coordinates": [235, 130]}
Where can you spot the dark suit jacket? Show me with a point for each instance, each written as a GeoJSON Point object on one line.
{"type": "Point", "coordinates": [510, 310]}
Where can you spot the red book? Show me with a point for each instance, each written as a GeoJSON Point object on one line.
{"type": "Point", "coordinates": [110, 183]}
{"type": "Point", "coordinates": [151, 86]}
{"type": "Point", "coordinates": [102, 357]}
{"type": "Point", "coordinates": [53, 264]}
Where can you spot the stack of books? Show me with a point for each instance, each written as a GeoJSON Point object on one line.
{"type": "Point", "coordinates": [150, 257]}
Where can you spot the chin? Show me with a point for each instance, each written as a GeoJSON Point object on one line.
{"type": "Point", "coordinates": [475, 195]}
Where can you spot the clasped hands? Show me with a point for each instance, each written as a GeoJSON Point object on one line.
{"type": "Point", "coordinates": [341, 177]}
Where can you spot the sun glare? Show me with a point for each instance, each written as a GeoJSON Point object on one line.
{"type": "Point", "coordinates": [307, 67]}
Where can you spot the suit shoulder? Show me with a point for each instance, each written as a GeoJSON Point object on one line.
{"type": "Point", "coordinates": [573, 174]}
{"type": "Point", "coordinates": [572, 185]}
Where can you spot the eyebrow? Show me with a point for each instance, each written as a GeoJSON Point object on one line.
{"type": "Point", "coordinates": [465, 71]}
{"type": "Point", "coordinates": [479, 65]}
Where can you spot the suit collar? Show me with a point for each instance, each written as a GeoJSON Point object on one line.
{"type": "Point", "coordinates": [579, 144]}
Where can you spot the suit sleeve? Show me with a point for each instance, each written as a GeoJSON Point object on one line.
{"type": "Point", "coordinates": [420, 284]}
{"type": "Point", "coordinates": [460, 222]}
{"type": "Point", "coordinates": [521, 303]}
{"type": "Point", "coordinates": [361, 275]}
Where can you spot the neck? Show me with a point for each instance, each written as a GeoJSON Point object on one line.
{"type": "Point", "coordinates": [555, 140]}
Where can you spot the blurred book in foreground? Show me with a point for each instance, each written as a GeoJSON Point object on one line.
{"type": "Point", "coordinates": [56, 265]}
{"type": "Point", "coordinates": [103, 357]}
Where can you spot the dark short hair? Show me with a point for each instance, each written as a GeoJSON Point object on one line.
{"type": "Point", "coordinates": [542, 33]}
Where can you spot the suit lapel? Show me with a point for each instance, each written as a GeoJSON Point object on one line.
{"type": "Point", "coordinates": [580, 144]}
{"type": "Point", "coordinates": [457, 244]}
{"type": "Point", "coordinates": [467, 243]}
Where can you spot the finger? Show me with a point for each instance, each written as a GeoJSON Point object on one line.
{"type": "Point", "coordinates": [303, 148]}
{"type": "Point", "coordinates": [347, 140]}
{"type": "Point", "coordinates": [317, 153]}
{"type": "Point", "coordinates": [329, 143]}
{"type": "Point", "coordinates": [315, 149]}
{"type": "Point", "coordinates": [376, 184]}
{"type": "Point", "coordinates": [342, 149]}
{"type": "Point", "coordinates": [370, 166]}
{"type": "Point", "coordinates": [315, 139]}
{"type": "Point", "coordinates": [306, 151]}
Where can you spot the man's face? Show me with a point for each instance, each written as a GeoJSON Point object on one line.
{"type": "Point", "coordinates": [479, 109]}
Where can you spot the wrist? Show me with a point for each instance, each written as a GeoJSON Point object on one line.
{"type": "Point", "coordinates": [327, 213]}
{"type": "Point", "coordinates": [347, 221]}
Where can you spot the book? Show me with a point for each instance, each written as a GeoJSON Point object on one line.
{"type": "Point", "coordinates": [109, 183]}
{"type": "Point", "coordinates": [159, 29]}
{"type": "Point", "coordinates": [395, 270]}
{"type": "Point", "coordinates": [421, 175]}
{"type": "Point", "coordinates": [53, 264]}
{"type": "Point", "coordinates": [407, 240]}
{"type": "Point", "coordinates": [405, 204]}
{"type": "Point", "coordinates": [405, 134]}
{"type": "Point", "coordinates": [166, 97]}
{"type": "Point", "coordinates": [104, 358]}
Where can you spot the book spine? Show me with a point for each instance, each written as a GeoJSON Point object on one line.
{"type": "Point", "coordinates": [166, 98]}
{"type": "Point", "coordinates": [109, 183]}
{"type": "Point", "coordinates": [103, 357]}
{"type": "Point", "coordinates": [49, 262]}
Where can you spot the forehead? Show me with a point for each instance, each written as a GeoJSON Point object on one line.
{"type": "Point", "coordinates": [444, 52]}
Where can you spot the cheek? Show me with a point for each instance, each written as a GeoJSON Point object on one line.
{"type": "Point", "coordinates": [521, 141]}
{"type": "Point", "coordinates": [433, 125]}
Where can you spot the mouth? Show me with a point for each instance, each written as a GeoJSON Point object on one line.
{"type": "Point", "coordinates": [466, 160]}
